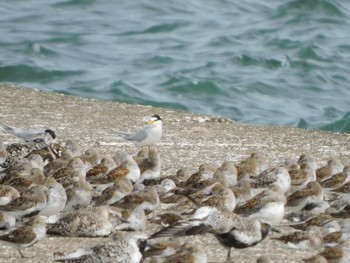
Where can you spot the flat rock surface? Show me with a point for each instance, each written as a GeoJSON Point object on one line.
{"type": "Point", "coordinates": [188, 141]}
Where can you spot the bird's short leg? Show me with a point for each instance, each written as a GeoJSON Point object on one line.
{"type": "Point", "coordinates": [21, 253]}
{"type": "Point", "coordinates": [228, 253]}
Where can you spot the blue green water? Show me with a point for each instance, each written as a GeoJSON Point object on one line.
{"type": "Point", "coordinates": [268, 62]}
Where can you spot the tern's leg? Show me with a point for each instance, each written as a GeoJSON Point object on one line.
{"type": "Point", "coordinates": [21, 253]}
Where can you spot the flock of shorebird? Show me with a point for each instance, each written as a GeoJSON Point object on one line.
{"type": "Point", "coordinates": [49, 188]}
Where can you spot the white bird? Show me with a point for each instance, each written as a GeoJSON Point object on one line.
{"type": "Point", "coordinates": [148, 135]}
{"type": "Point", "coordinates": [46, 135]}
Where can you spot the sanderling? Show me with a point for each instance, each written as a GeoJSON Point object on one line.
{"type": "Point", "coordinates": [56, 197]}
{"type": "Point", "coordinates": [132, 220]}
{"type": "Point", "coordinates": [6, 221]}
{"type": "Point", "coordinates": [127, 169]}
{"type": "Point", "coordinates": [73, 148]}
{"type": "Point", "coordinates": [326, 221]}
{"type": "Point", "coordinates": [205, 172]}
{"type": "Point", "coordinates": [7, 194]}
{"type": "Point", "coordinates": [150, 168]}
{"type": "Point", "coordinates": [343, 189]}
{"type": "Point", "coordinates": [338, 179]}
{"type": "Point", "coordinates": [86, 222]}
{"type": "Point", "coordinates": [162, 248]}
{"type": "Point", "coordinates": [79, 195]}
{"type": "Point", "coordinates": [112, 194]}
{"type": "Point", "coordinates": [103, 168]}
{"type": "Point", "coordinates": [309, 159]}
{"type": "Point", "coordinates": [3, 152]}
{"type": "Point", "coordinates": [251, 166]}
{"type": "Point", "coordinates": [337, 254]}
{"type": "Point", "coordinates": [26, 235]}
{"type": "Point", "coordinates": [17, 151]}
{"type": "Point", "coordinates": [166, 218]}
{"type": "Point", "coordinates": [229, 171]}
{"type": "Point", "coordinates": [220, 197]}
{"type": "Point", "coordinates": [31, 202]}
{"type": "Point", "coordinates": [312, 238]}
{"type": "Point", "coordinates": [313, 193]}
{"type": "Point", "coordinates": [268, 206]}
{"type": "Point", "coordinates": [124, 248]}
{"type": "Point", "coordinates": [333, 166]}
{"type": "Point", "coordinates": [90, 156]}
{"type": "Point", "coordinates": [148, 200]}
{"type": "Point", "coordinates": [279, 176]}
{"type": "Point", "coordinates": [242, 191]}
{"type": "Point", "coordinates": [75, 168]}
{"type": "Point", "coordinates": [48, 153]}
{"type": "Point", "coordinates": [300, 177]}
{"type": "Point", "coordinates": [186, 253]}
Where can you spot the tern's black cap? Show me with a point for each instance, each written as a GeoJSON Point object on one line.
{"type": "Point", "coordinates": [157, 117]}
{"type": "Point", "coordinates": [52, 133]}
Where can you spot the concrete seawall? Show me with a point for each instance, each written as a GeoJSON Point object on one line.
{"type": "Point", "coordinates": [188, 141]}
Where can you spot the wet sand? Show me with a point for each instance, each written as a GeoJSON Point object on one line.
{"type": "Point", "coordinates": [188, 141]}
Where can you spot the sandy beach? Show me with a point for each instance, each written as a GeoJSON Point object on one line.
{"type": "Point", "coordinates": [188, 141]}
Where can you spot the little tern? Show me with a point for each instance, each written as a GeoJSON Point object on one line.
{"type": "Point", "coordinates": [148, 135]}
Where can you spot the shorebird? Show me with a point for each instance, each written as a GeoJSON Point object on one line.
{"type": "Point", "coordinates": [268, 206]}
{"type": "Point", "coordinates": [6, 221]}
{"type": "Point", "coordinates": [229, 171]}
{"type": "Point", "coordinates": [148, 135]}
{"type": "Point", "coordinates": [148, 200]}
{"type": "Point", "coordinates": [123, 248]}
{"type": "Point", "coordinates": [56, 197]}
{"type": "Point", "coordinates": [73, 148]}
{"type": "Point", "coordinates": [230, 229]}
{"type": "Point", "coordinates": [217, 196]}
{"type": "Point", "coordinates": [242, 191]}
{"type": "Point", "coordinates": [300, 177]}
{"type": "Point", "coordinates": [311, 238]}
{"type": "Point", "coordinates": [186, 253]}
{"type": "Point", "coordinates": [75, 168]}
{"type": "Point", "coordinates": [3, 152]}
{"type": "Point", "coordinates": [205, 172]}
{"type": "Point", "coordinates": [99, 170]}
{"type": "Point", "coordinates": [26, 235]}
{"type": "Point", "coordinates": [333, 166]}
{"type": "Point", "coordinates": [86, 222]}
{"type": "Point", "coordinates": [79, 195]}
{"type": "Point", "coordinates": [7, 194]}
{"type": "Point", "coordinates": [326, 221]}
{"type": "Point", "coordinates": [112, 194]}
{"type": "Point", "coordinates": [31, 202]}
{"type": "Point", "coordinates": [339, 254]}
{"type": "Point", "coordinates": [343, 189]}
{"type": "Point", "coordinates": [150, 168]}
{"type": "Point", "coordinates": [279, 176]}
{"type": "Point", "coordinates": [90, 157]}
{"type": "Point", "coordinates": [166, 218]}
{"type": "Point", "coordinates": [313, 193]}
{"type": "Point", "coordinates": [128, 168]}
{"type": "Point", "coordinates": [252, 166]}
{"type": "Point", "coordinates": [162, 248]}
{"type": "Point", "coordinates": [18, 151]}
{"type": "Point", "coordinates": [338, 179]}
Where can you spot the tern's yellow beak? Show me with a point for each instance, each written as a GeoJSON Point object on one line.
{"type": "Point", "coordinates": [150, 122]}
